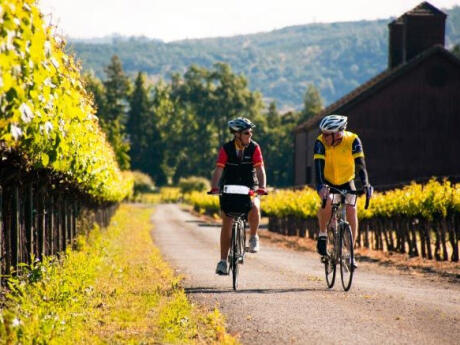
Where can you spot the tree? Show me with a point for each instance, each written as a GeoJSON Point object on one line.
{"type": "Point", "coordinates": [97, 90]}
{"type": "Point", "coordinates": [231, 98]}
{"type": "Point", "coordinates": [170, 124]}
{"type": "Point", "coordinates": [456, 50]}
{"type": "Point", "coordinates": [312, 103]}
{"type": "Point", "coordinates": [113, 118]}
{"type": "Point", "coordinates": [117, 87]}
{"type": "Point", "coordinates": [276, 141]}
{"type": "Point", "coordinates": [140, 125]}
{"type": "Point", "coordinates": [206, 100]}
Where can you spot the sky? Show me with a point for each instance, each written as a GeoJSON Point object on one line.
{"type": "Point", "coordinates": [171, 20]}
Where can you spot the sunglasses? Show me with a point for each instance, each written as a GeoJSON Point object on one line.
{"type": "Point", "coordinates": [326, 134]}
{"type": "Point", "coordinates": [246, 133]}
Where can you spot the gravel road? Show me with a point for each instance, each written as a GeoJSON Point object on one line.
{"type": "Point", "coordinates": [283, 298]}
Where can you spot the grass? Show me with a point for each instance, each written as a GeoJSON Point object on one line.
{"type": "Point", "coordinates": [114, 289]}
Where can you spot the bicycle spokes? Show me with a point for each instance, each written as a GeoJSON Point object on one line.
{"type": "Point", "coordinates": [330, 259]}
{"type": "Point", "coordinates": [346, 257]}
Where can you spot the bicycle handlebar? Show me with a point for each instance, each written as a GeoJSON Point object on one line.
{"type": "Point", "coordinates": [251, 193]}
{"type": "Point", "coordinates": [333, 190]}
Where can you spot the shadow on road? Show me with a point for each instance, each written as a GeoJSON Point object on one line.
{"type": "Point", "coordinates": [200, 223]}
{"type": "Point", "coordinates": [212, 290]}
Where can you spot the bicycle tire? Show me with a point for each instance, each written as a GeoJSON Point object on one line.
{"type": "Point", "coordinates": [235, 256]}
{"type": "Point", "coordinates": [242, 241]}
{"type": "Point", "coordinates": [330, 267]}
{"type": "Point", "coordinates": [346, 256]}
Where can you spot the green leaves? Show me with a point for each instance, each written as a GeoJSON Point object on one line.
{"type": "Point", "coordinates": [45, 113]}
{"type": "Point", "coordinates": [45, 159]}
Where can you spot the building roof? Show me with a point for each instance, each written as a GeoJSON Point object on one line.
{"type": "Point", "coordinates": [423, 9]}
{"type": "Point", "coordinates": [373, 85]}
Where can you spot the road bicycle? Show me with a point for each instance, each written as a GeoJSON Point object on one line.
{"type": "Point", "coordinates": [340, 238]}
{"type": "Point", "coordinates": [236, 203]}
{"type": "Point", "coordinates": [238, 245]}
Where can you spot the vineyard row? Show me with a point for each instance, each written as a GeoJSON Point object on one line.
{"type": "Point", "coordinates": [40, 214]}
{"type": "Point", "coordinates": [420, 220]}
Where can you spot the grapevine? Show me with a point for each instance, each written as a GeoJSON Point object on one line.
{"type": "Point", "coordinates": [46, 114]}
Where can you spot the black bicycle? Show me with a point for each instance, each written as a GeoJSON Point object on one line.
{"type": "Point", "coordinates": [340, 238]}
{"type": "Point", "coordinates": [238, 246]}
{"type": "Point", "coordinates": [236, 203]}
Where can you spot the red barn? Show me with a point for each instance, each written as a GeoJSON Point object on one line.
{"type": "Point", "coordinates": [408, 116]}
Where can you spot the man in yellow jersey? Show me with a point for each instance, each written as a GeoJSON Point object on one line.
{"type": "Point", "coordinates": [337, 152]}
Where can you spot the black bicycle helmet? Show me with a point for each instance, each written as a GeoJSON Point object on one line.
{"type": "Point", "coordinates": [240, 124]}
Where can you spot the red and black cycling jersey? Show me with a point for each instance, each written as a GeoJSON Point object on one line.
{"type": "Point", "coordinates": [239, 163]}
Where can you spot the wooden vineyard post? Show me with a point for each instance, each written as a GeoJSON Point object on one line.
{"type": "Point", "coordinates": [69, 212]}
{"type": "Point", "coordinates": [15, 228]}
{"type": "Point", "coordinates": [41, 224]}
{"type": "Point", "coordinates": [1, 234]}
{"type": "Point", "coordinates": [74, 218]}
{"type": "Point", "coordinates": [28, 220]}
{"type": "Point", "coordinates": [51, 225]}
{"type": "Point", "coordinates": [58, 226]}
{"type": "Point", "coordinates": [63, 208]}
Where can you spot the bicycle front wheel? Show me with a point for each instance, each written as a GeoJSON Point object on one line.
{"type": "Point", "coordinates": [236, 233]}
{"type": "Point", "coordinates": [346, 256]}
{"type": "Point", "coordinates": [330, 259]}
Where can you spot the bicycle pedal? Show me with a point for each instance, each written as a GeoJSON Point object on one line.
{"type": "Point", "coordinates": [324, 259]}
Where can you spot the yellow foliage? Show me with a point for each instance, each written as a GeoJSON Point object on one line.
{"type": "Point", "coordinates": [45, 112]}
{"type": "Point", "coordinates": [203, 202]}
{"type": "Point", "coordinates": [434, 199]}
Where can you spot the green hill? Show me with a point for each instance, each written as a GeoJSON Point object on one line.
{"type": "Point", "coordinates": [336, 57]}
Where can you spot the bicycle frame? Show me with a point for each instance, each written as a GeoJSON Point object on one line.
{"type": "Point", "coordinates": [339, 238]}
{"type": "Point", "coordinates": [338, 217]}
{"type": "Point", "coordinates": [238, 240]}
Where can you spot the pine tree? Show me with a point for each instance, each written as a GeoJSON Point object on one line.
{"type": "Point", "coordinates": [140, 125]}
{"type": "Point", "coordinates": [96, 88]}
{"type": "Point", "coordinates": [113, 118]}
{"type": "Point", "coordinates": [312, 103]}
{"type": "Point", "coordinates": [117, 88]}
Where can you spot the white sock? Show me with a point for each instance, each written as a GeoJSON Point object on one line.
{"type": "Point", "coordinates": [322, 233]}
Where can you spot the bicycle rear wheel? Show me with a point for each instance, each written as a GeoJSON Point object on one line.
{"type": "Point", "coordinates": [236, 253]}
{"type": "Point", "coordinates": [330, 260]}
{"type": "Point", "coordinates": [346, 256]}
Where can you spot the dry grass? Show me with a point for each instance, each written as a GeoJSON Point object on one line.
{"type": "Point", "coordinates": [115, 289]}
{"type": "Point", "coordinates": [140, 301]}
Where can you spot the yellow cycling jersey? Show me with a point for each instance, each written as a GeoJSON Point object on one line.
{"type": "Point", "coordinates": [339, 167]}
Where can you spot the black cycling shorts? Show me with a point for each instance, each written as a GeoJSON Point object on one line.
{"type": "Point", "coordinates": [235, 203]}
{"type": "Point", "coordinates": [349, 186]}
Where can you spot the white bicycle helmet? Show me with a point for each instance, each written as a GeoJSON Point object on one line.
{"type": "Point", "coordinates": [240, 124]}
{"type": "Point", "coordinates": [333, 123]}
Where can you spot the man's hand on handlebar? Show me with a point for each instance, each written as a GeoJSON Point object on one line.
{"type": "Point", "coordinates": [323, 191]}
{"type": "Point", "coordinates": [261, 191]}
{"type": "Point", "coordinates": [369, 190]}
{"type": "Point", "coordinates": [214, 190]}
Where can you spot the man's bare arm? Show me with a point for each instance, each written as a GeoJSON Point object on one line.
{"type": "Point", "coordinates": [216, 177]}
{"type": "Point", "coordinates": [261, 177]}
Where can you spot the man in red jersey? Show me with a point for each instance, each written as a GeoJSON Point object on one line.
{"type": "Point", "coordinates": [239, 162]}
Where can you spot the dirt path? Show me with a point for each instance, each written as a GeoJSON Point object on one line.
{"type": "Point", "coordinates": [283, 299]}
